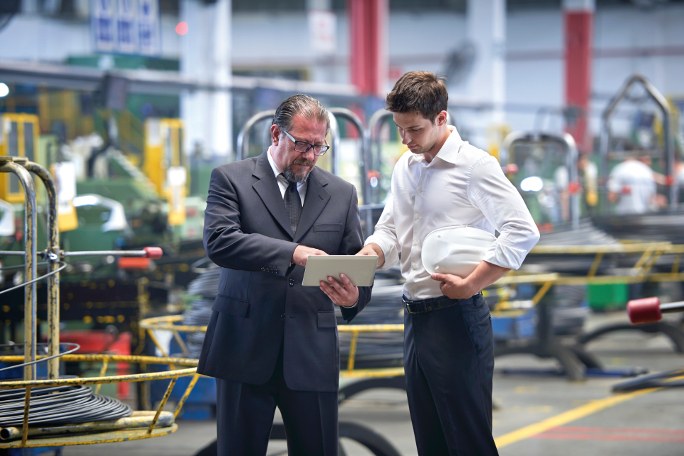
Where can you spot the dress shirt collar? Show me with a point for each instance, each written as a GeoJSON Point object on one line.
{"type": "Point", "coordinates": [449, 150]}
{"type": "Point", "coordinates": [282, 182]}
{"type": "Point", "coordinates": [274, 167]}
{"type": "Point", "coordinates": [451, 147]}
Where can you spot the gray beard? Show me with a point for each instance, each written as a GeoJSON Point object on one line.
{"type": "Point", "coordinates": [291, 177]}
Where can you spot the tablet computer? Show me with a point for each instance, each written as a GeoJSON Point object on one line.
{"type": "Point", "coordinates": [360, 269]}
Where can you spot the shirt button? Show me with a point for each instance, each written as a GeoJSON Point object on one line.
{"type": "Point", "coordinates": [291, 282]}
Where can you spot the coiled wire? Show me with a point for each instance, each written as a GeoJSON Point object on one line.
{"type": "Point", "coordinates": [55, 405]}
{"type": "Point", "coordinates": [203, 289]}
{"type": "Point", "coordinates": [59, 405]}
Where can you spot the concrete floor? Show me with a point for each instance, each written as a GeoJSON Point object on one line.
{"type": "Point", "coordinates": [538, 412]}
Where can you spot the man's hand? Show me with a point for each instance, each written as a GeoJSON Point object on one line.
{"type": "Point", "coordinates": [302, 252]}
{"type": "Point", "coordinates": [341, 292]}
{"type": "Point", "coordinates": [373, 250]}
{"type": "Point", "coordinates": [454, 287]}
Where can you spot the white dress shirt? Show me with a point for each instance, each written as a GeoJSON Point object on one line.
{"type": "Point", "coordinates": [462, 185]}
{"type": "Point", "coordinates": [283, 183]}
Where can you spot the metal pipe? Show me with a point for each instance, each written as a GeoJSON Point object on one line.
{"type": "Point", "coordinates": [243, 135]}
{"type": "Point", "coordinates": [137, 420]}
{"type": "Point", "coordinates": [349, 115]}
{"type": "Point", "coordinates": [162, 404]}
{"type": "Point", "coordinates": [185, 395]}
{"type": "Point", "coordinates": [15, 165]}
{"type": "Point", "coordinates": [335, 135]}
{"type": "Point", "coordinates": [53, 257]}
{"type": "Point", "coordinates": [128, 253]}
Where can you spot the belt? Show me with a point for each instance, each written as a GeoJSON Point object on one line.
{"type": "Point", "coordinates": [430, 304]}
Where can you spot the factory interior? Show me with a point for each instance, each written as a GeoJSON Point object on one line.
{"type": "Point", "coordinates": [114, 113]}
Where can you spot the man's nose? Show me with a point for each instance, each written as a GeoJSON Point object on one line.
{"type": "Point", "coordinates": [309, 154]}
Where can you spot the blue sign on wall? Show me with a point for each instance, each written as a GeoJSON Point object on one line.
{"type": "Point", "coordinates": [126, 26]}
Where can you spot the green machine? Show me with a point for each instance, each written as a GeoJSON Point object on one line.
{"type": "Point", "coordinates": [107, 200]}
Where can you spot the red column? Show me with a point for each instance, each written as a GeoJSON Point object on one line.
{"type": "Point", "coordinates": [368, 59]}
{"type": "Point", "coordinates": [578, 46]}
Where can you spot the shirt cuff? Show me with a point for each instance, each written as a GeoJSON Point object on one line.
{"type": "Point", "coordinates": [352, 306]}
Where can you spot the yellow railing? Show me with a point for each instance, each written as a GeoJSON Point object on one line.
{"type": "Point", "coordinates": [140, 425]}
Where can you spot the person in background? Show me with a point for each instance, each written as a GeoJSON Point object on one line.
{"type": "Point", "coordinates": [679, 181]}
{"type": "Point", "coordinates": [441, 182]}
{"type": "Point", "coordinates": [588, 177]}
{"type": "Point", "coordinates": [272, 342]}
{"type": "Point", "coordinates": [633, 186]}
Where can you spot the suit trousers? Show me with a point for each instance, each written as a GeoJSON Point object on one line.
{"type": "Point", "coordinates": [449, 365]}
{"type": "Point", "coordinates": [245, 413]}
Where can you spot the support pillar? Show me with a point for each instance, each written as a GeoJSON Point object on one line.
{"type": "Point", "coordinates": [207, 114]}
{"type": "Point", "coordinates": [368, 52]}
{"type": "Point", "coordinates": [578, 18]}
{"type": "Point", "coordinates": [486, 84]}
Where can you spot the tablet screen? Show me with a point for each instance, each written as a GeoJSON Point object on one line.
{"type": "Point", "coordinates": [359, 269]}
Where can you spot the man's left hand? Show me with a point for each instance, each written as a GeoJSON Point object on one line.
{"type": "Point", "coordinates": [342, 292]}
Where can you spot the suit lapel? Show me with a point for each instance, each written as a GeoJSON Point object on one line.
{"type": "Point", "coordinates": [316, 198]}
{"type": "Point", "coordinates": [266, 187]}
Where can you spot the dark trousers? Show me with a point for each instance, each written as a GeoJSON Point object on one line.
{"type": "Point", "coordinates": [449, 364]}
{"type": "Point", "coordinates": [245, 415]}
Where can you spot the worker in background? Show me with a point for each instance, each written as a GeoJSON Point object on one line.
{"type": "Point", "coordinates": [588, 178]}
{"type": "Point", "coordinates": [272, 342]}
{"type": "Point", "coordinates": [678, 180]}
{"type": "Point", "coordinates": [444, 182]}
{"type": "Point", "coordinates": [633, 186]}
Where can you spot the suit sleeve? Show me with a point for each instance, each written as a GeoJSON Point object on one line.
{"type": "Point", "coordinates": [224, 240]}
{"type": "Point", "coordinates": [352, 243]}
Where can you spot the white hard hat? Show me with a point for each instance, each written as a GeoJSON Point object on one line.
{"type": "Point", "coordinates": [455, 249]}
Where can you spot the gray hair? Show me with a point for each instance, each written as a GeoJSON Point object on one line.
{"type": "Point", "coordinates": [302, 105]}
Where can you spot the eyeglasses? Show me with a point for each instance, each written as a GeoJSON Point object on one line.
{"type": "Point", "coordinates": [303, 147]}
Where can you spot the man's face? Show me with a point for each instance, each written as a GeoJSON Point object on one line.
{"type": "Point", "coordinates": [420, 135]}
{"type": "Point", "coordinates": [297, 165]}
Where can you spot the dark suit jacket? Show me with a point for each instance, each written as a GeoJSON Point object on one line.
{"type": "Point", "coordinates": [261, 304]}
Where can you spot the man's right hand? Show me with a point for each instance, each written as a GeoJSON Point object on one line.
{"type": "Point", "coordinates": [373, 249]}
{"type": "Point", "coordinates": [302, 252]}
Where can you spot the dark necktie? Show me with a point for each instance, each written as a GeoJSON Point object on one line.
{"type": "Point", "coordinates": [294, 204]}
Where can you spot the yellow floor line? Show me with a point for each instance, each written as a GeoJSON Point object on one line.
{"type": "Point", "coordinates": [567, 417]}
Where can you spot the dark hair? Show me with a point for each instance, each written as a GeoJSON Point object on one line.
{"type": "Point", "coordinates": [418, 91]}
{"type": "Point", "coordinates": [302, 105]}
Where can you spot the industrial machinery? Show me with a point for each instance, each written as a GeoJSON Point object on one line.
{"type": "Point", "coordinates": [105, 202]}
{"type": "Point", "coordinates": [649, 131]}
{"type": "Point", "coordinates": [41, 406]}
{"type": "Point", "coordinates": [646, 311]}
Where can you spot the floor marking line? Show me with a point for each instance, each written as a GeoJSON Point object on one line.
{"type": "Point", "coordinates": [567, 417]}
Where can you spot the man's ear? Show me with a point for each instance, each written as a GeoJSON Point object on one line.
{"type": "Point", "coordinates": [275, 134]}
{"type": "Point", "coordinates": [441, 119]}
